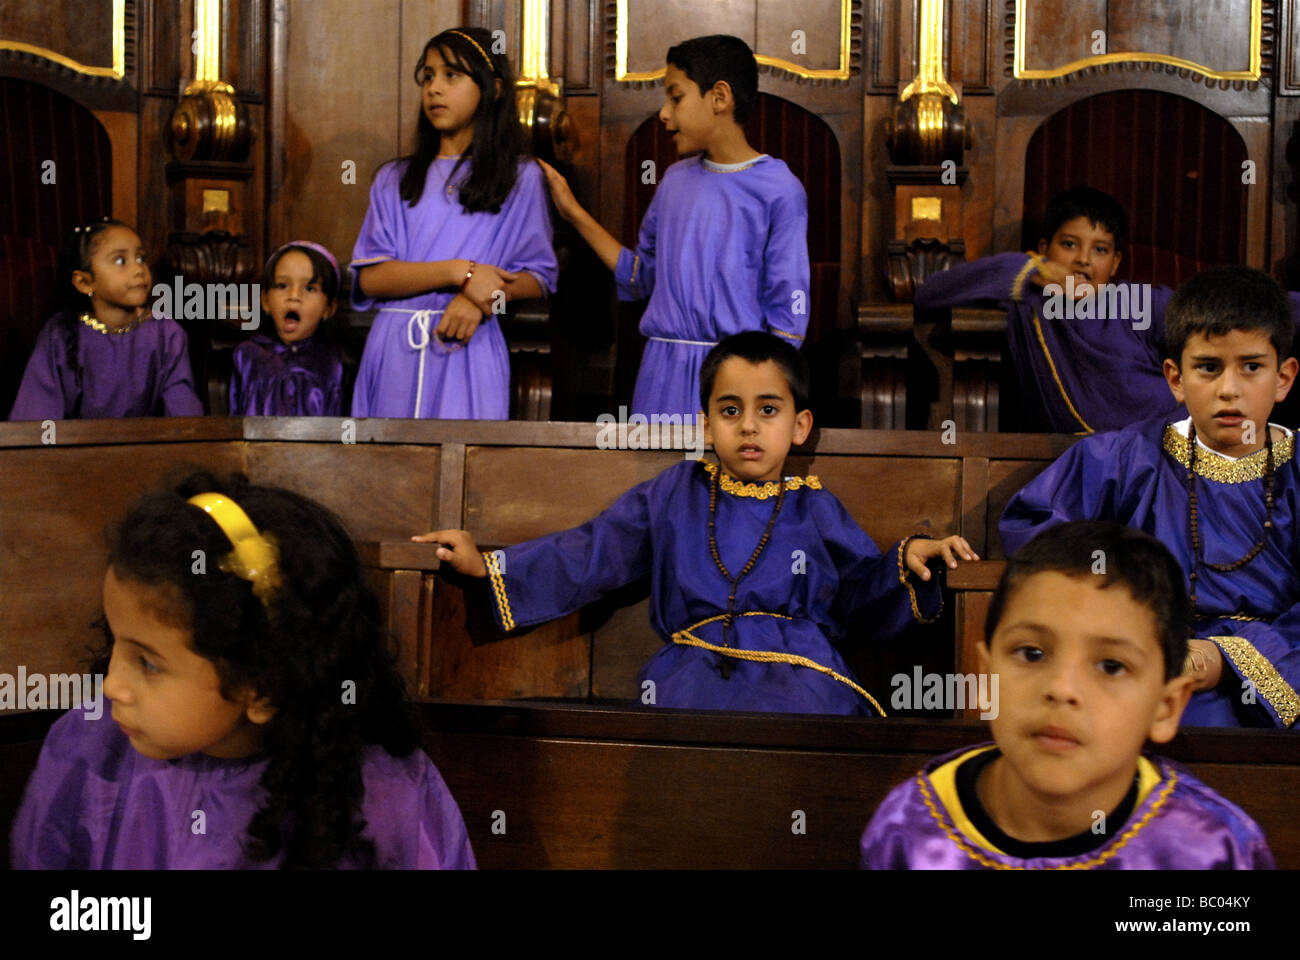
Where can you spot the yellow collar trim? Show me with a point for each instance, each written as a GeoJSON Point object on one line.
{"type": "Point", "coordinates": [1220, 469]}
{"type": "Point", "coordinates": [101, 327]}
{"type": "Point", "coordinates": [738, 489]}
{"type": "Point", "coordinates": [963, 833]}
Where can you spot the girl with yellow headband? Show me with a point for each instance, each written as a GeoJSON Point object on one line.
{"type": "Point", "coordinates": [256, 718]}
{"type": "Point", "coordinates": [453, 232]}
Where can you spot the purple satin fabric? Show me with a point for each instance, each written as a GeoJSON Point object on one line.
{"type": "Point", "coordinates": [94, 803]}
{"type": "Point", "coordinates": [1193, 828]}
{"type": "Point", "coordinates": [276, 379]}
{"type": "Point", "coordinates": [144, 373]}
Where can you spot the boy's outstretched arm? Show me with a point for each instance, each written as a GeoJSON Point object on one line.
{"type": "Point", "coordinates": [551, 576]}
{"type": "Point", "coordinates": [598, 238]}
{"type": "Point", "coordinates": [457, 549]}
{"type": "Point", "coordinates": [1003, 277]}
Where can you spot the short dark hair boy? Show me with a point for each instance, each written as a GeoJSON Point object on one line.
{"type": "Point", "coordinates": [719, 57]}
{"type": "Point", "coordinates": [757, 347]}
{"type": "Point", "coordinates": [1085, 637]}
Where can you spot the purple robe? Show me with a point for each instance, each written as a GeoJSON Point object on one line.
{"type": "Point", "coordinates": [1138, 477]}
{"type": "Point", "coordinates": [1078, 376]}
{"type": "Point", "coordinates": [719, 252]}
{"type": "Point", "coordinates": [277, 379]}
{"type": "Point", "coordinates": [406, 371]}
{"type": "Point", "coordinates": [818, 573]}
{"type": "Point", "coordinates": [144, 373]}
{"type": "Point", "coordinates": [1179, 824]}
{"type": "Point", "coordinates": [95, 803]}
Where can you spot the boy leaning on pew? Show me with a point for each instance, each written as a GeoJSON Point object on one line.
{"type": "Point", "coordinates": [1082, 367]}
{"type": "Point", "coordinates": [1220, 488]}
{"type": "Point", "coordinates": [754, 577]}
{"type": "Point", "coordinates": [1087, 633]}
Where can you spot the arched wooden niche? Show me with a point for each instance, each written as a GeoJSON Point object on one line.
{"type": "Point", "coordinates": [1174, 165]}
{"type": "Point", "coordinates": [57, 171]}
{"type": "Point", "coordinates": [808, 146]}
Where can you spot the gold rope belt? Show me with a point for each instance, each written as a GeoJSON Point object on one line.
{"type": "Point", "coordinates": [1232, 616]}
{"type": "Point", "coordinates": [688, 639]}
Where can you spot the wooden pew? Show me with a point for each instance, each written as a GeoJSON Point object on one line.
{"type": "Point", "coordinates": [545, 785]}
{"type": "Point", "coordinates": [506, 482]}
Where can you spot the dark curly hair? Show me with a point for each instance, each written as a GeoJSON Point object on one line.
{"type": "Point", "coordinates": [321, 630]}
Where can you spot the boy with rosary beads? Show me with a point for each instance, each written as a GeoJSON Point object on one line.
{"type": "Point", "coordinates": [754, 576]}
{"type": "Point", "coordinates": [1221, 489]}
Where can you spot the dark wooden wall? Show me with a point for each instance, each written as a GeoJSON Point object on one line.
{"type": "Point", "coordinates": [1175, 166]}
{"type": "Point", "coordinates": [327, 88]}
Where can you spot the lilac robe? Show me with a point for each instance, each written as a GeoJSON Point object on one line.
{"type": "Point", "coordinates": [794, 604]}
{"type": "Point", "coordinates": [95, 803]}
{"type": "Point", "coordinates": [1079, 376]}
{"type": "Point", "coordinates": [1138, 477]}
{"type": "Point", "coordinates": [406, 371]}
{"type": "Point", "coordinates": [719, 253]}
{"type": "Point", "coordinates": [277, 379]}
{"type": "Point", "coordinates": [144, 373]}
{"type": "Point", "coordinates": [1179, 824]}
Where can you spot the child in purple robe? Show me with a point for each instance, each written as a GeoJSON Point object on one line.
{"type": "Point", "coordinates": [453, 232]}
{"type": "Point", "coordinates": [104, 354]}
{"type": "Point", "coordinates": [723, 247]}
{"type": "Point", "coordinates": [298, 372]}
{"type": "Point", "coordinates": [1089, 660]}
{"type": "Point", "coordinates": [754, 577]}
{"type": "Point", "coordinates": [1220, 487]}
{"type": "Point", "coordinates": [257, 720]}
{"type": "Point", "coordinates": [1079, 374]}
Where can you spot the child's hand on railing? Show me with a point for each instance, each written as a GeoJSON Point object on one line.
{"type": "Point", "coordinates": [456, 548]}
{"type": "Point", "coordinates": [952, 549]}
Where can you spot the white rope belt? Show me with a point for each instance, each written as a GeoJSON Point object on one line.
{"type": "Point", "coordinates": [691, 343]}
{"type": "Point", "coordinates": [419, 336]}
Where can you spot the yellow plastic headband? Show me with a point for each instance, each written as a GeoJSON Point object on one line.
{"type": "Point", "coordinates": [255, 557]}
{"type": "Point", "coordinates": [486, 58]}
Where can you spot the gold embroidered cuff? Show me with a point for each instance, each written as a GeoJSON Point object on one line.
{"type": "Point", "coordinates": [499, 590]}
{"type": "Point", "coordinates": [1018, 284]}
{"type": "Point", "coordinates": [1252, 665]}
{"type": "Point", "coordinates": [911, 591]}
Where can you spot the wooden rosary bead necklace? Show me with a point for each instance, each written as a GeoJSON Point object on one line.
{"type": "Point", "coordinates": [725, 666]}
{"type": "Point", "coordinates": [1193, 519]}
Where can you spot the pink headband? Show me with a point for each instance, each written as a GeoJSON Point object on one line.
{"type": "Point", "coordinates": [313, 246]}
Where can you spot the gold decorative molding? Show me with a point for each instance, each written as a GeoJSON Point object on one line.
{"type": "Point", "coordinates": [1252, 74]}
{"type": "Point", "coordinates": [116, 72]}
{"type": "Point", "coordinates": [207, 56]}
{"type": "Point", "coordinates": [842, 72]}
{"type": "Point", "coordinates": [929, 77]}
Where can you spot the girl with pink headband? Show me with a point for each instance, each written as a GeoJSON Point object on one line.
{"type": "Point", "coordinates": [293, 370]}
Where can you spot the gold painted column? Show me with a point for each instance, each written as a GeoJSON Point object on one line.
{"type": "Point", "coordinates": [927, 138]}
{"type": "Point", "coordinates": [541, 97]}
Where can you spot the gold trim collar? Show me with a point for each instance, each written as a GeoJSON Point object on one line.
{"type": "Point", "coordinates": [738, 489]}
{"type": "Point", "coordinates": [104, 328]}
{"type": "Point", "coordinates": [1220, 469]}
